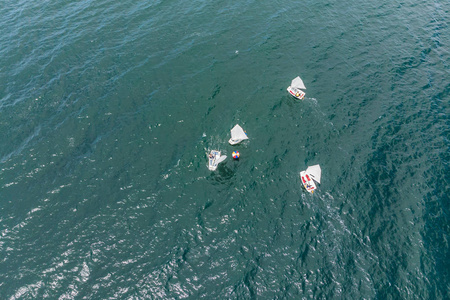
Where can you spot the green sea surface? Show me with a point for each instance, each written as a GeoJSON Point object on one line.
{"type": "Point", "coordinates": [109, 108]}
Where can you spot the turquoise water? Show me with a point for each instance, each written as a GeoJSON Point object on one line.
{"type": "Point", "coordinates": [107, 111]}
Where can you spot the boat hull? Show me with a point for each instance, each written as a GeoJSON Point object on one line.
{"type": "Point", "coordinates": [234, 142]}
{"type": "Point", "coordinates": [212, 160]}
{"type": "Point", "coordinates": [307, 182]}
{"type": "Point", "coordinates": [296, 93]}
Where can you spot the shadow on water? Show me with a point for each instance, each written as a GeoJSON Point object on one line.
{"type": "Point", "coordinates": [222, 175]}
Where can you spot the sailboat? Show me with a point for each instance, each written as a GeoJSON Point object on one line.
{"type": "Point", "coordinates": [311, 175]}
{"type": "Point", "coordinates": [237, 135]}
{"type": "Point", "coordinates": [214, 159]}
{"type": "Point", "coordinates": [296, 87]}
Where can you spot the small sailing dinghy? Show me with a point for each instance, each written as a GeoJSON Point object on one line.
{"type": "Point", "coordinates": [215, 159]}
{"type": "Point", "coordinates": [237, 135]}
{"type": "Point", "coordinates": [296, 87]}
{"type": "Point", "coordinates": [310, 176]}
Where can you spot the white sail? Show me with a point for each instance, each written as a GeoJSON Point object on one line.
{"type": "Point", "coordinates": [315, 172]}
{"type": "Point", "coordinates": [297, 82]}
{"type": "Point", "coordinates": [221, 159]}
{"type": "Point", "coordinates": [238, 134]}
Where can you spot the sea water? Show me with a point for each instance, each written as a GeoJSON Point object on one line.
{"type": "Point", "coordinates": [109, 108]}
